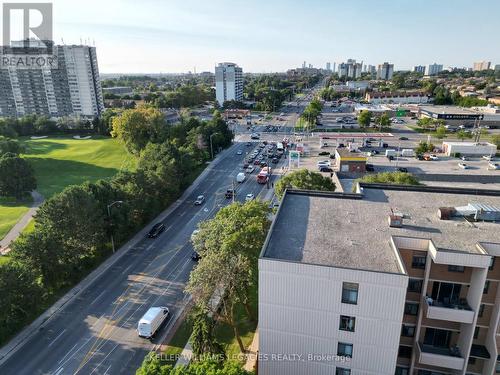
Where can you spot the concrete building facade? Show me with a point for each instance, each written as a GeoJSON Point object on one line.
{"type": "Point", "coordinates": [385, 71]}
{"type": "Point", "coordinates": [434, 69]}
{"type": "Point", "coordinates": [228, 82]}
{"type": "Point", "coordinates": [481, 65]}
{"type": "Point", "coordinates": [419, 69]}
{"type": "Point", "coordinates": [391, 280]}
{"type": "Point", "coordinates": [73, 88]}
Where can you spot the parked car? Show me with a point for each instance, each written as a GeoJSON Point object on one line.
{"type": "Point", "coordinates": [250, 169]}
{"type": "Point", "coordinates": [403, 169]}
{"type": "Point", "coordinates": [487, 157]}
{"type": "Point", "coordinates": [494, 166]}
{"type": "Point", "coordinates": [464, 158]}
{"type": "Point", "coordinates": [325, 169]}
{"type": "Point", "coordinates": [157, 229]}
{"type": "Point", "coordinates": [463, 165]}
{"type": "Point", "coordinates": [325, 163]}
{"type": "Point", "coordinates": [199, 200]}
{"type": "Point", "coordinates": [433, 157]}
{"type": "Point", "coordinates": [275, 160]}
{"type": "Point", "coordinates": [370, 168]}
{"type": "Point", "coordinates": [249, 197]}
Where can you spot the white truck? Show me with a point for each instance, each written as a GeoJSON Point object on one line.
{"type": "Point", "coordinates": [407, 152]}
{"type": "Point", "coordinates": [151, 321]}
{"type": "Point", "coordinates": [240, 177]}
{"type": "Point", "coordinates": [391, 153]}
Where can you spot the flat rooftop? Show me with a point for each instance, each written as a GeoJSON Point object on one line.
{"type": "Point", "coordinates": [449, 109]}
{"type": "Point", "coordinates": [342, 230]}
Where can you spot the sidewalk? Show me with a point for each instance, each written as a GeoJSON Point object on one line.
{"type": "Point", "coordinates": [22, 223]}
{"type": "Point", "coordinates": [15, 343]}
{"type": "Point", "coordinates": [252, 352]}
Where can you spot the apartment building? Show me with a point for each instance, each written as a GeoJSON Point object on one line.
{"type": "Point", "coordinates": [434, 69]}
{"type": "Point", "coordinates": [481, 65]}
{"type": "Point", "coordinates": [419, 69]}
{"type": "Point", "coordinates": [350, 69]}
{"type": "Point", "coordinates": [72, 88]}
{"type": "Point", "coordinates": [391, 280]}
{"type": "Point", "coordinates": [385, 71]}
{"type": "Point", "coordinates": [228, 82]}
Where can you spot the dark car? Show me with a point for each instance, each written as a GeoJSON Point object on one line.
{"type": "Point", "coordinates": [420, 157]}
{"type": "Point", "coordinates": [402, 169]}
{"type": "Point", "coordinates": [375, 152]}
{"type": "Point", "coordinates": [245, 165]}
{"type": "Point", "coordinates": [325, 169]}
{"type": "Point", "coordinates": [157, 229]}
{"type": "Point", "coordinates": [390, 157]}
{"type": "Point", "coordinates": [195, 256]}
{"type": "Point", "coordinates": [403, 138]}
{"type": "Point", "coordinates": [340, 145]}
{"type": "Point", "coordinates": [263, 164]}
{"type": "Point", "coordinates": [385, 145]}
{"type": "Point", "coordinates": [274, 160]}
{"type": "Point", "coordinates": [370, 168]}
{"type": "Point", "coordinates": [229, 193]}
{"type": "Point", "coordinates": [249, 143]}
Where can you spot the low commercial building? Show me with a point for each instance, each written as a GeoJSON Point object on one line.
{"type": "Point", "coordinates": [469, 148]}
{"type": "Point", "coordinates": [409, 97]}
{"type": "Point", "coordinates": [349, 161]}
{"type": "Point", "coordinates": [450, 114]}
{"type": "Point", "coordinates": [392, 280]}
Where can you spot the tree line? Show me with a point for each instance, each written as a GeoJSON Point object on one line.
{"type": "Point", "coordinates": [72, 228]}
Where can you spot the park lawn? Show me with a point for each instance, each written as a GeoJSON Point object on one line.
{"type": "Point", "coordinates": [178, 341]}
{"type": "Point", "coordinates": [10, 212]}
{"type": "Point", "coordinates": [4, 259]}
{"type": "Point", "coordinates": [62, 161]}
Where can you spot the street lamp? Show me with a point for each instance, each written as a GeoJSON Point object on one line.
{"type": "Point", "coordinates": [109, 215]}
{"type": "Point", "coordinates": [211, 147]}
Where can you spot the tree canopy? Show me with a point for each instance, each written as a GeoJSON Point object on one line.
{"type": "Point", "coordinates": [304, 179]}
{"type": "Point", "coordinates": [17, 177]}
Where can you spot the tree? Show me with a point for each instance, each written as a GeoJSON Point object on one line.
{"type": "Point", "coordinates": [364, 118]}
{"type": "Point", "coordinates": [136, 127]}
{"type": "Point", "coordinates": [495, 139]}
{"type": "Point", "coordinates": [304, 179]}
{"type": "Point", "coordinates": [393, 178]}
{"type": "Point", "coordinates": [424, 147]}
{"type": "Point", "coordinates": [440, 132]}
{"type": "Point", "coordinates": [384, 121]}
{"type": "Point", "coordinates": [462, 134]}
{"type": "Point", "coordinates": [17, 177]}
{"type": "Point", "coordinates": [12, 146]}
{"type": "Point", "coordinates": [203, 340]}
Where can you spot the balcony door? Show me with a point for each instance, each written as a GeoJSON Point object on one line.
{"type": "Point", "coordinates": [439, 338]}
{"type": "Point", "coordinates": [446, 292]}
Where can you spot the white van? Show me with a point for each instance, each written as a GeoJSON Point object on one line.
{"type": "Point", "coordinates": [240, 177]}
{"type": "Point", "coordinates": [152, 321]}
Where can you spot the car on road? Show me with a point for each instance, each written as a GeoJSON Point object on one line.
{"type": "Point", "coordinates": [239, 152]}
{"type": "Point", "coordinates": [248, 144]}
{"type": "Point", "coordinates": [250, 169]}
{"type": "Point", "coordinates": [275, 160]}
{"type": "Point", "coordinates": [326, 163]}
{"type": "Point", "coordinates": [195, 232]}
{"type": "Point", "coordinates": [487, 157]}
{"type": "Point", "coordinates": [157, 229]}
{"type": "Point", "coordinates": [249, 197]}
{"type": "Point", "coordinates": [403, 169]}
{"type": "Point", "coordinates": [403, 138]}
{"type": "Point", "coordinates": [370, 168]}
{"type": "Point", "coordinates": [256, 162]}
{"type": "Point", "coordinates": [463, 165]}
{"type": "Point", "coordinates": [255, 136]}
{"type": "Point", "coordinates": [152, 321]}
{"type": "Point", "coordinates": [464, 158]}
{"type": "Point", "coordinates": [229, 193]}
{"type": "Point", "coordinates": [263, 164]}
{"type": "Point", "coordinates": [199, 200]}
{"type": "Point", "coordinates": [195, 256]}
{"type": "Point", "coordinates": [240, 177]}
{"type": "Point", "coordinates": [494, 166]}
{"type": "Point", "coordinates": [325, 169]}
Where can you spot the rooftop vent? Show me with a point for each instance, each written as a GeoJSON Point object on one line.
{"type": "Point", "coordinates": [395, 221]}
{"type": "Point", "coordinates": [473, 211]}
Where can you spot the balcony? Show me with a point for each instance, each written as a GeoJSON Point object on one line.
{"type": "Point", "coordinates": [459, 311]}
{"type": "Point", "coordinates": [442, 357]}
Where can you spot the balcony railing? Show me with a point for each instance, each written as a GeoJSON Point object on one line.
{"type": "Point", "coordinates": [458, 311]}
{"type": "Point", "coordinates": [439, 356]}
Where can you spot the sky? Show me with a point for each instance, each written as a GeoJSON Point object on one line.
{"type": "Point", "coordinates": [174, 36]}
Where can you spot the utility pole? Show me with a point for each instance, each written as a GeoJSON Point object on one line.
{"type": "Point", "coordinates": [109, 215]}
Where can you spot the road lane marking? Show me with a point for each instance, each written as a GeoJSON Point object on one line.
{"type": "Point", "coordinates": [105, 372]}
{"type": "Point", "coordinates": [59, 370]}
{"type": "Point", "coordinates": [59, 335]}
{"type": "Point", "coordinates": [99, 296]}
{"type": "Point", "coordinates": [62, 359]}
{"type": "Point", "coordinates": [100, 363]}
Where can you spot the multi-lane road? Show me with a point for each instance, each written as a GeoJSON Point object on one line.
{"type": "Point", "coordinates": [95, 332]}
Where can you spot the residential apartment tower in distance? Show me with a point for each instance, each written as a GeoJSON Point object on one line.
{"type": "Point", "coordinates": [394, 280]}
{"type": "Point", "coordinates": [434, 69]}
{"type": "Point", "coordinates": [72, 88]}
{"type": "Point", "coordinates": [481, 65]}
{"type": "Point", "coordinates": [228, 82]}
{"type": "Point", "coordinates": [385, 71]}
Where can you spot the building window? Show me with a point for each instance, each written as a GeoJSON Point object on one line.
{"type": "Point", "coordinates": [472, 361]}
{"type": "Point", "coordinates": [347, 323]}
{"type": "Point", "coordinates": [408, 331]}
{"type": "Point", "coordinates": [350, 293]}
{"type": "Point", "coordinates": [492, 263]}
{"type": "Point", "coordinates": [344, 350]}
{"type": "Point", "coordinates": [414, 286]}
{"type": "Point", "coordinates": [418, 261]}
{"type": "Point", "coordinates": [497, 367]}
{"type": "Point", "coordinates": [476, 332]}
{"type": "Point", "coordinates": [402, 370]}
{"type": "Point", "coordinates": [481, 311]}
{"type": "Point", "coordinates": [404, 351]}
{"type": "Point", "coordinates": [452, 268]}
{"type": "Point", "coordinates": [342, 371]}
{"type": "Point", "coordinates": [486, 286]}
{"type": "Point", "coordinates": [411, 308]}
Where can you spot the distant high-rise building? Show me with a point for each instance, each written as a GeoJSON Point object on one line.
{"type": "Point", "coordinates": [497, 68]}
{"type": "Point", "coordinates": [481, 65]}
{"type": "Point", "coordinates": [350, 69]}
{"type": "Point", "coordinates": [228, 82]}
{"type": "Point", "coordinates": [328, 66]}
{"type": "Point", "coordinates": [419, 69]}
{"type": "Point", "coordinates": [304, 65]}
{"type": "Point", "coordinates": [334, 67]}
{"type": "Point", "coordinates": [385, 71]}
{"type": "Point", "coordinates": [310, 66]}
{"type": "Point", "coordinates": [72, 88]}
{"type": "Point", "coordinates": [434, 69]}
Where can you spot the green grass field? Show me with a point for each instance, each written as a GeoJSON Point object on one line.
{"type": "Point", "coordinates": [62, 161]}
